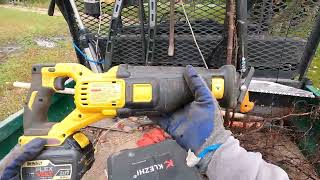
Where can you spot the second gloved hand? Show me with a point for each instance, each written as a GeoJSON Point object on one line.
{"type": "Point", "coordinates": [29, 151]}
{"type": "Point", "coordinates": [198, 125]}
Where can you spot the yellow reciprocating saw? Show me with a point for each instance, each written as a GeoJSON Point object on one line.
{"type": "Point", "coordinates": [122, 91]}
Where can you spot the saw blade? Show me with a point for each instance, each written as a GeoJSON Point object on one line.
{"type": "Point", "coordinates": [276, 88]}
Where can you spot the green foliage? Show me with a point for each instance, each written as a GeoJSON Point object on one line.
{"type": "Point", "coordinates": [314, 70]}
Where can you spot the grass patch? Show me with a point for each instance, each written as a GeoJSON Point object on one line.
{"type": "Point", "coordinates": [20, 27]}
{"type": "Point", "coordinates": [18, 68]}
{"type": "Point", "coordinates": [314, 70]}
{"type": "Point", "coordinates": [38, 3]}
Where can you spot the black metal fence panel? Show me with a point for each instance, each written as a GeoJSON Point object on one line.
{"type": "Point", "coordinates": [278, 31]}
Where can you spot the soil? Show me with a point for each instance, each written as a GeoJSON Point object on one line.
{"type": "Point", "coordinates": [9, 49]}
{"type": "Point", "coordinates": [44, 42]}
{"type": "Point", "coordinates": [111, 142]}
{"type": "Point", "coordinates": [50, 42]}
{"type": "Point", "coordinates": [278, 148]}
{"type": "Point", "coordinates": [6, 50]}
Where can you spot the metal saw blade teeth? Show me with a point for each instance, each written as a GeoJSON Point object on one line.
{"type": "Point", "coordinates": [276, 88]}
{"type": "Point", "coordinates": [279, 93]}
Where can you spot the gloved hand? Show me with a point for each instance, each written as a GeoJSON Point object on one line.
{"type": "Point", "coordinates": [29, 152]}
{"type": "Point", "coordinates": [198, 125]}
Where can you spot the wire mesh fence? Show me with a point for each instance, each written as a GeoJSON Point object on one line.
{"type": "Point", "coordinates": [206, 18]}
{"type": "Point", "coordinates": [278, 31]}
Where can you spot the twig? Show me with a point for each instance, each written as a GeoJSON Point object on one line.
{"type": "Point", "coordinates": [308, 130]}
{"type": "Point", "coordinates": [270, 120]}
{"type": "Point", "coordinates": [291, 115]}
{"type": "Point", "coordinates": [95, 141]}
{"type": "Point", "coordinates": [104, 133]}
{"type": "Point", "coordinates": [107, 128]}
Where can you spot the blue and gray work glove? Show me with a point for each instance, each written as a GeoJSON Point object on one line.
{"type": "Point", "coordinates": [29, 152]}
{"type": "Point", "coordinates": [199, 125]}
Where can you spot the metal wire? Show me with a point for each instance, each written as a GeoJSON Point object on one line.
{"type": "Point", "coordinates": [193, 36]}
{"type": "Point", "coordinates": [101, 61]}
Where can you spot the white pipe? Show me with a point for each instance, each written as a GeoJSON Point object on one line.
{"type": "Point", "coordinates": [28, 85]}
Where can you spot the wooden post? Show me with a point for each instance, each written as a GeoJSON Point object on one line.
{"type": "Point", "coordinates": [231, 28]}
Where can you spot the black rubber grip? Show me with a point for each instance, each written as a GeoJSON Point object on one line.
{"type": "Point", "coordinates": [169, 89]}
{"type": "Point", "coordinates": [35, 120]}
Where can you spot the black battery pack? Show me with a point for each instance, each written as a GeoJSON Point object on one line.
{"type": "Point", "coordinates": [67, 161]}
{"type": "Point", "coordinates": [162, 161]}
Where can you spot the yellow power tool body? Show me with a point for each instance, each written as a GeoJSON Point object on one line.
{"type": "Point", "coordinates": [122, 91]}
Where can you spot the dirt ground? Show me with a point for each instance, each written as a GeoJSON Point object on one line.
{"type": "Point", "coordinates": [276, 148]}
{"type": "Point", "coordinates": [112, 142]}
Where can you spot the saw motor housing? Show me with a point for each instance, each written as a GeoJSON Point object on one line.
{"type": "Point", "coordinates": [122, 91]}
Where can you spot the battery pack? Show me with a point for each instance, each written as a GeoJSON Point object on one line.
{"type": "Point", "coordinates": [162, 161]}
{"type": "Point", "coordinates": [67, 161]}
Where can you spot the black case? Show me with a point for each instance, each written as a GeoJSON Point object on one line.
{"type": "Point", "coordinates": [162, 161]}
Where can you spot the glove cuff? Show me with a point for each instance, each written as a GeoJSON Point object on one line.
{"type": "Point", "coordinates": [218, 137]}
